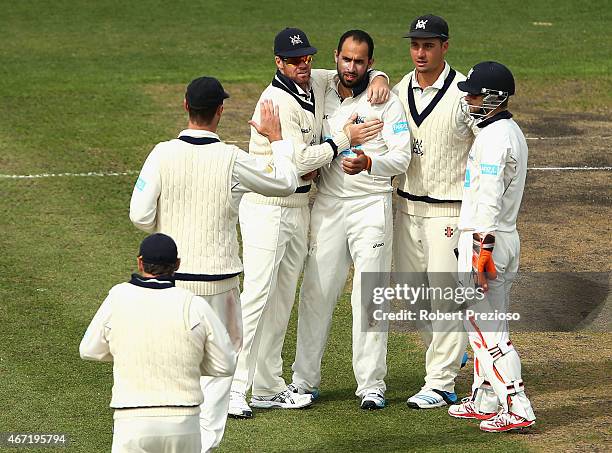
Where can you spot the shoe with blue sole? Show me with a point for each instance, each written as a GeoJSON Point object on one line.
{"type": "Point", "coordinates": [431, 398]}
{"type": "Point", "coordinates": [297, 388]}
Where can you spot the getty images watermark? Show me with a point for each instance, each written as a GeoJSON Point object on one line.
{"type": "Point", "coordinates": [529, 301]}
{"type": "Point", "coordinates": [411, 295]}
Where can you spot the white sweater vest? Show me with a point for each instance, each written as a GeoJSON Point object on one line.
{"type": "Point", "coordinates": [437, 167]}
{"type": "Point", "coordinates": [301, 122]}
{"type": "Point", "coordinates": [194, 209]}
{"type": "Point", "coordinates": [156, 360]}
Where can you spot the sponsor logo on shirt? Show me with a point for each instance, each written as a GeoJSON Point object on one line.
{"type": "Point", "coordinates": [400, 126]}
{"type": "Point", "coordinates": [140, 184]}
{"type": "Point", "coordinates": [360, 119]}
{"type": "Point", "coordinates": [306, 131]}
{"type": "Point", "coordinates": [378, 244]}
{"type": "Point", "coordinates": [417, 147]}
{"type": "Point", "coordinates": [489, 169]}
{"type": "Point", "coordinates": [466, 184]}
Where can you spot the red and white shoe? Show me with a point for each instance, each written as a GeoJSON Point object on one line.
{"type": "Point", "coordinates": [505, 421]}
{"type": "Point", "coordinates": [467, 409]}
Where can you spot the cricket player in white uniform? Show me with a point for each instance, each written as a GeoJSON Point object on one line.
{"type": "Point", "coordinates": [351, 222]}
{"type": "Point", "coordinates": [489, 249]}
{"type": "Point", "coordinates": [190, 188]}
{"type": "Point", "coordinates": [275, 229]}
{"type": "Point", "coordinates": [161, 339]}
{"type": "Point", "coordinates": [429, 201]}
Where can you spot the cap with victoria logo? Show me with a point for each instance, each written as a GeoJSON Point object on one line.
{"type": "Point", "coordinates": [428, 26]}
{"type": "Point", "coordinates": [292, 42]}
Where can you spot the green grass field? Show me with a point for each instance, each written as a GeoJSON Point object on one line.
{"type": "Point", "coordinates": [92, 86]}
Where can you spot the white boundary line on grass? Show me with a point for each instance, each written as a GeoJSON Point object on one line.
{"type": "Point", "coordinates": [569, 168]}
{"type": "Point", "coordinates": [565, 137]}
{"type": "Point", "coordinates": [56, 175]}
{"type": "Point", "coordinates": [135, 172]}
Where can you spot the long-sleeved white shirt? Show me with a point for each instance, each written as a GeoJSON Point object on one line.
{"type": "Point", "coordinates": [269, 177]}
{"type": "Point", "coordinates": [389, 150]}
{"type": "Point", "coordinates": [494, 177]}
{"type": "Point", "coordinates": [218, 354]}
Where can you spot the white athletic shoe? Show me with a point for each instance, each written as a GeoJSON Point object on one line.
{"type": "Point", "coordinates": [467, 409]}
{"type": "Point", "coordinates": [297, 388]}
{"type": "Point", "coordinates": [431, 398]}
{"type": "Point", "coordinates": [238, 407]}
{"type": "Point", "coordinates": [283, 400]}
{"type": "Point", "coordinates": [505, 421]}
{"type": "Point", "coordinates": [373, 400]}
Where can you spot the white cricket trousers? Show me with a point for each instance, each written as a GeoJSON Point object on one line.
{"type": "Point", "coordinates": [424, 255]}
{"type": "Point", "coordinates": [344, 230]}
{"type": "Point", "coordinates": [274, 242]}
{"type": "Point", "coordinates": [213, 415]}
{"type": "Point", "coordinates": [497, 365]}
{"type": "Point", "coordinates": [167, 434]}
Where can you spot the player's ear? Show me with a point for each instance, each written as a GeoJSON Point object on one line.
{"type": "Point", "coordinates": [445, 46]}
{"type": "Point", "coordinates": [370, 63]}
{"type": "Point", "coordinates": [178, 264]}
{"type": "Point", "coordinates": [279, 62]}
{"type": "Point", "coordinates": [219, 111]}
{"type": "Point", "coordinates": [140, 265]}
{"type": "Point", "coordinates": [336, 55]}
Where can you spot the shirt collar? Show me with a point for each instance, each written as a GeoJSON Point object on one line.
{"type": "Point", "coordinates": [357, 89]}
{"type": "Point", "coordinates": [198, 133]}
{"type": "Point", "coordinates": [294, 87]}
{"type": "Point", "coordinates": [438, 84]}
{"type": "Point", "coordinates": [503, 115]}
{"type": "Point", "coordinates": [159, 282]}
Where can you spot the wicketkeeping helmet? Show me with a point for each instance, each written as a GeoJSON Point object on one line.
{"type": "Point", "coordinates": [491, 79]}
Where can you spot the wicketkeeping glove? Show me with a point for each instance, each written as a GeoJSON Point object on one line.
{"type": "Point", "coordinates": [482, 259]}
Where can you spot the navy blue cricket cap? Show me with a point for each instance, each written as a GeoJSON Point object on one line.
{"type": "Point", "coordinates": [428, 26]}
{"type": "Point", "coordinates": [292, 42]}
{"type": "Point", "coordinates": [488, 76]}
{"type": "Point", "coordinates": [205, 92]}
{"type": "Point", "coordinates": [158, 248]}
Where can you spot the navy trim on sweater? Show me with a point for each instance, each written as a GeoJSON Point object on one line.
{"type": "Point", "coordinates": [424, 198]}
{"type": "Point", "coordinates": [198, 140]}
{"type": "Point", "coordinates": [204, 277]}
{"type": "Point", "coordinates": [419, 118]}
{"type": "Point", "coordinates": [303, 189]}
{"type": "Point", "coordinates": [286, 84]}
{"type": "Point", "coordinates": [159, 282]}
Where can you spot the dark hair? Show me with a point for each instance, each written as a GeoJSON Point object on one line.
{"type": "Point", "coordinates": [359, 36]}
{"type": "Point", "coordinates": [159, 269]}
{"type": "Point", "coordinates": [202, 116]}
